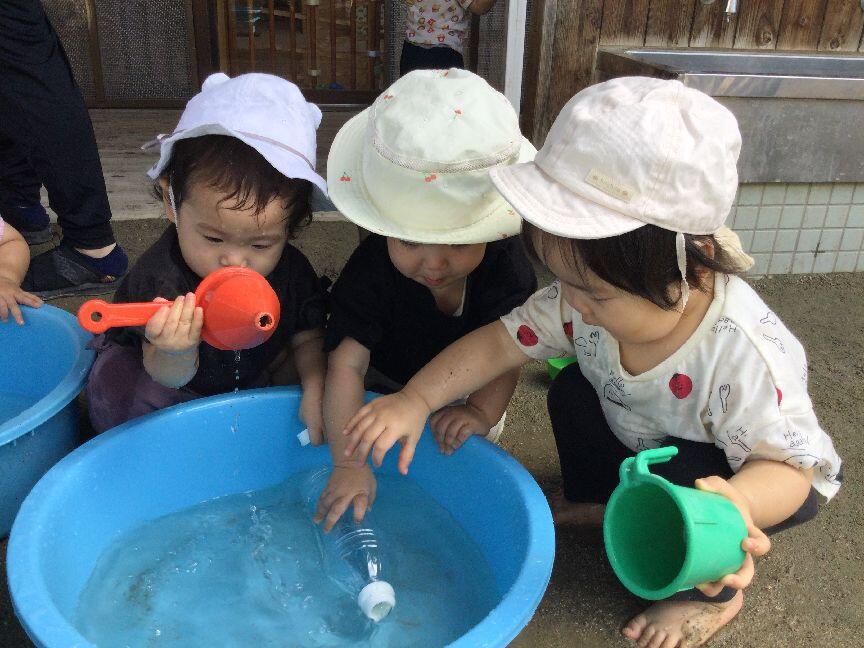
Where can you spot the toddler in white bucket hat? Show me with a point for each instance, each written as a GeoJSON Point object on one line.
{"type": "Point", "coordinates": [442, 260]}
{"type": "Point", "coordinates": [624, 200]}
{"type": "Point", "coordinates": [235, 178]}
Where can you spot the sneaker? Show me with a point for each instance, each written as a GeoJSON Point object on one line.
{"type": "Point", "coordinates": [31, 220]}
{"type": "Point", "coordinates": [65, 272]}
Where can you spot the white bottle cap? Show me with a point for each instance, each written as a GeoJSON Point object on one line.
{"type": "Point", "coordinates": [376, 600]}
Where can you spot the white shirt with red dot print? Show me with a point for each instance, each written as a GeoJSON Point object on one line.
{"type": "Point", "coordinates": [739, 382]}
{"type": "Point", "coordinates": [437, 23]}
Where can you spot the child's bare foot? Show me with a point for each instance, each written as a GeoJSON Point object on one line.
{"type": "Point", "coordinates": [680, 624]}
{"type": "Point", "coordinates": [565, 512]}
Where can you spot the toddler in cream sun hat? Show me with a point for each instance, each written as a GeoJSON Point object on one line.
{"type": "Point", "coordinates": [415, 165]}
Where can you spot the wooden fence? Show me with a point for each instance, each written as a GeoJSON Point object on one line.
{"type": "Point", "coordinates": [565, 34]}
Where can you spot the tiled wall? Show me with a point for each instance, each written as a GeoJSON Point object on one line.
{"type": "Point", "coordinates": [797, 228]}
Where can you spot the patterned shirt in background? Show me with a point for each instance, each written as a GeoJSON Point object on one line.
{"type": "Point", "coordinates": [437, 23]}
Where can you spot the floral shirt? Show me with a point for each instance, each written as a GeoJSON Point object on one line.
{"type": "Point", "coordinates": [433, 23]}
{"type": "Point", "coordinates": [739, 382]}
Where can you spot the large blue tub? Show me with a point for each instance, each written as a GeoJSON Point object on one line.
{"type": "Point", "coordinates": [184, 455]}
{"type": "Point", "coordinates": [43, 366]}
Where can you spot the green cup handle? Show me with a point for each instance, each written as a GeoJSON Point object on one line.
{"type": "Point", "coordinates": [636, 468]}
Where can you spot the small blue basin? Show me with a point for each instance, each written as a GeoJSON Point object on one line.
{"type": "Point", "coordinates": [44, 365]}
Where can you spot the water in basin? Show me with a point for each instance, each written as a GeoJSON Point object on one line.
{"type": "Point", "coordinates": [245, 570]}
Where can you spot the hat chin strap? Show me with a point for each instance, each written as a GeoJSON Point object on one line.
{"type": "Point", "coordinates": [681, 255]}
{"type": "Point", "coordinates": [173, 205]}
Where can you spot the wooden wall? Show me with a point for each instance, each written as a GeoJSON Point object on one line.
{"type": "Point", "coordinates": [565, 34]}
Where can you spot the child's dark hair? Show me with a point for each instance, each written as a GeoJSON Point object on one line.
{"type": "Point", "coordinates": [642, 262]}
{"type": "Point", "coordinates": [230, 165]}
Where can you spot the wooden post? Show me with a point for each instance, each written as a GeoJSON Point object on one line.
{"type": "Point", "coordinates": [352, 30]}
{"type": "Point", "coordinates": [842, 27]}
{"type": "Point", "coordinates": [271, 10]}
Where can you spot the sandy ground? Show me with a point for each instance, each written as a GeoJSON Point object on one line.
{"type": "Point", "coordinates": [809, 590]}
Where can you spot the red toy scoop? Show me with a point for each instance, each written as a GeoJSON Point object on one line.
{"type": "Point", "coordinates": [241, 310]}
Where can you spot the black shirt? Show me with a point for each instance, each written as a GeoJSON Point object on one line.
{"type": "Point", "coordinates": [397, 319]}
{"type": "Point", "coordinates": [162, 272]}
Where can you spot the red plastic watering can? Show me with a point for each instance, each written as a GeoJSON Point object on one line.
{"type": "Point", "coordinates": [241, 310]}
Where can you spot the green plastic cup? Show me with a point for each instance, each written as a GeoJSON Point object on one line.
{"type": "Point", "coordinates": [661, 538]}
{"type": "Point", "coordinates": [557, 365]}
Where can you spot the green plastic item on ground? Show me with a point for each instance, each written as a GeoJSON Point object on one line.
{"type": "Point", "coordinates": [556, 365]}
{"type": "Point", "coordinates": [661, 538]}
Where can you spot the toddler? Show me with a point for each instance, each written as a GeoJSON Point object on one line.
{"type": "Point", "coordinates": [625, 205]}
{"type": "Point", "coordinates": [435, 31]}
{"type": "Point", "coordinates": [235, 178]}
{"type": "Point", "coordinates": [442, 260]}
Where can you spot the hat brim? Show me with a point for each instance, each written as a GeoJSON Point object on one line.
{"type": "Point", "coordinates": [352, 197]}
{"type": "Point", "coordinates": [285, 162]}
{"type": "Point", "coordinates": [566, 213]}
{"type": "Point", "coordinates": [548, 204]}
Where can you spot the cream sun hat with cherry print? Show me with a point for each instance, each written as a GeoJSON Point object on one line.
{"type": "Point", "coordinates": [415, 165]}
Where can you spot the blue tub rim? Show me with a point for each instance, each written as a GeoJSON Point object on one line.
{"type": "Point", "coordinates": [503, 623]}
{"type": "Point", "coordinates": [65, 391]}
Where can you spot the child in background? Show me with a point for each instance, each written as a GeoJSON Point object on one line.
{"type": "Point", "coordinates": [14, 258]}
{"type": "Point", "coordinates": [622, 205]}
{"type": "Point", "coordinates": [235, 177]}
{"type": "Point", "coordinates": [442, 260]}
{"type": "Point", "coordinates": [435, 31]}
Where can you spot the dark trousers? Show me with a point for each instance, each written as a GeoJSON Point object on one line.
{"type": "Point", "coordinates": [415, 57]}
{"type": "Point", "coordinates": [46, 137]}
{"type": "Point", "coordinates": [590, 456]}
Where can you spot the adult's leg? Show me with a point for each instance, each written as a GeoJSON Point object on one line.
{"type": "Point", "coordinates": [43, 113]}
{"type": "Point", "coordinates": [19, 194]}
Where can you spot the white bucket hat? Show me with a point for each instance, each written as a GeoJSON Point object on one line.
{"type": "Point", "coordinates": [415, 165]}
{"type": "Point", "coordinates": [630, 152]}
{"type": "Point", "coordinates": [264, 111]}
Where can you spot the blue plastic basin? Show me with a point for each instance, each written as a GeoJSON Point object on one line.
{"type": "Point", "coordinates": [43, 366]}
{"type": "Point", "coordinates": [173, 459]}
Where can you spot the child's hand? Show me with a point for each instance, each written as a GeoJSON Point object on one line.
{"type": "Point", "coordinates": [755, 544]}
{"type": "Point", "coordinates": [176, 329]}
{"type": "Point", "coordinates": [347, 484]}
{"type": "Point", "coordinates": [312, 415]}
{"type": "Point", "coordinates": [453, 425]}
{"type": "Point", "coordinates": [383, 422]}
{"type": "Point", "coordinates": [10, 296]}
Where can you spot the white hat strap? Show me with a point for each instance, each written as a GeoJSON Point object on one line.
{"type": "Point", "coordinates": [681, 255]}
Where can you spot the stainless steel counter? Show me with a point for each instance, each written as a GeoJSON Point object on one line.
{"type": "Point", "coordinates": [801, 114]}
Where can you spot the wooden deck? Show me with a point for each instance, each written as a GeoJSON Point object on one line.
{"type": "Point", "coordinates": [120, 134]}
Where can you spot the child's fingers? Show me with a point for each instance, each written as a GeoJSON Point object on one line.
{"type": "Point", "coordinates": [156, 324]}
{"type": "Point", "coordinates": [361, 416]}
{"type": "Point", "coordinates": [15, 310]}
{"type": "Point", "coordinates": [756, 542]}
{"type": "Point", "coordinates": [316, 435]}
{"type": "Point", "coordinates": [29, 299]}
{"type": "Point", "coordinates": [361, 504]}
{"type": "Point", "coordinates": [339, 506]}
{"type": "Point", "coordinates": [406, 456]}
{"type": "Point", "coordinates": [197, 323]}
{"type": "Point", "coordinates": [187, 312]}
{"type": "Point", "coordinates": [4, 310]}
{"type": "Point", "coordinates": [381, 446]}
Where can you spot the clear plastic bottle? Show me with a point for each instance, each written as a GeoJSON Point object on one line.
{"type": "Point", "coordinates": [352, 555]}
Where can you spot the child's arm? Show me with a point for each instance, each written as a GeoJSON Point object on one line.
{"type": "Point", "coordinates": [308, 347]}
{"type": "Point", "coordinates": [480, 7]}
{"type": "Point", "coordinates": [766, 492]}
{"type": "Point", "coordinates": [172, 338]}
{"type": "Point", "coordinates": [462, 368]}
{"type": "Point", "coordinates": [14, 259]}
{"type": "Point", "coordinates": [351, 481]}
{"type": "Point", "coordinates": [453, 425]}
